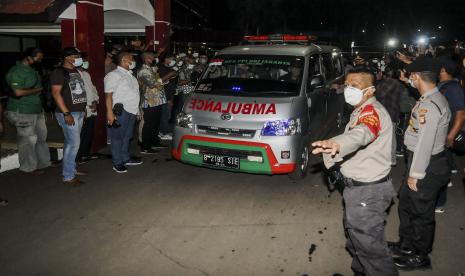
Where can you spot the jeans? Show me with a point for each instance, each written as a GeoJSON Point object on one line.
{"type": "Point", "coordinates": [121, 137]}
{"type": "Point", "coordinates": [72, 141]}
{"type": "Point", "coordinates": [31, 139]}
{"type": "Point", "coordinates": [87, 134]}
{"type": "Point", "coordinates": [152, 116]}
{"type": "Point", "coordinates": [165, 127]}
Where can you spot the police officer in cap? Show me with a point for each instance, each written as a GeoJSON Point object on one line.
{"type": "Point", "coordinates": [363, 153]}
{"type": "Point", "coordinates": [428, 168]}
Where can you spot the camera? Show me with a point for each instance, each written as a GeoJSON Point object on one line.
{"type": "Point", "coordinates": [117, 110]}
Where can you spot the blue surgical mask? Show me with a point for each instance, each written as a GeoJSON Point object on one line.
{"type": "Point", "coordinates": [85, 65]}
{"type": "Point", "coordinates": [77, 62]}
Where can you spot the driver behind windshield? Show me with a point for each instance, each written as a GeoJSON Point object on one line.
{"type": "Point", "coordinates": [293, 74]}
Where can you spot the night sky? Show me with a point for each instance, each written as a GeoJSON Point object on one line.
{"type": "Point", "coordinates": [364, 21]}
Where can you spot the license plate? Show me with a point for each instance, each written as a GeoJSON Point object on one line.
{"type": "Point", "coordinates": [221, 161]}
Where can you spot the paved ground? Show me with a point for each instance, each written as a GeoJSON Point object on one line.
{"type": "Point", "coordinates": [166, 218]}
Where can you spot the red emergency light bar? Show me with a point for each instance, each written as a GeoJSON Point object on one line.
{"type": "Point", "coordinates": [302, 38]}
{"type": "Point", "coordinates": [256, 37]}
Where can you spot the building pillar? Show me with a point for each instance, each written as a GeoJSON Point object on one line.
{"type": "Point", "coordinates": [87, 34]}
{"type": "Point", "coordinates": [161, 32]}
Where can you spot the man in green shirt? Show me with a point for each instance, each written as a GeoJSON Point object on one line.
{"type": "Point", "coordinates": [24, 110]}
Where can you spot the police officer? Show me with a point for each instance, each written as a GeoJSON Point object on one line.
{"type": "Point", "coordinates": [428, 168]}
{"type": "Point", "coordinates": [363, 153]}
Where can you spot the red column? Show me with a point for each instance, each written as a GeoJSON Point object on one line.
{"type": "Point", "coordinates": [162, 23]}
{"type": "Point", "coordinates": [87, 34]}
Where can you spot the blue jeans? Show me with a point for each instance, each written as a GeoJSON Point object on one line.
{"type": "Point", "coordinates": [121, 137]}
{"type": "Point", "coordinates": [72, 141]}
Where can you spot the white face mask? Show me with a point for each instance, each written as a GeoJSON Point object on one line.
{"type": "Point", "coordinates": [172, 63]}
{"type": "Point", "coordinates": [190, 66]}
{"type": "Point", "coordinates": [85, 65]}
{"type": "Point", "coordinates": [157, 61]}
{"type": "Point", "coordinates": [411, 83]}
{"type": "Point", "coordinates": [132, 65]}
{"type": "Point", "coordinates": [77, 62]}
{"type": "Point", "coordinates": [353, 95]}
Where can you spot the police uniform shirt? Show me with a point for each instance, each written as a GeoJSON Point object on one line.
{"type": "Point", "coordinates": [368, 136]}
{"type": "Point", "coordinates": [427, 131]}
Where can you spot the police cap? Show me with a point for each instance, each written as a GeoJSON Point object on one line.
{"type": "Point", "coordinates": [424, 64]}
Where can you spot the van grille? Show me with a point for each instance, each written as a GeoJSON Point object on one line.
{"type": "Point", "coordinates": [243, 154]}
{"type": "Point", "coordinates": [228, 132]}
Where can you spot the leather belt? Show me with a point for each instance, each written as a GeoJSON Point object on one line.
{"type": "Point", "coordinates": [353, 183]}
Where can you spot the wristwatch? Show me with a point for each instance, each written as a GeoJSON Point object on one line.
{"type": "Point", "coordinates": [66, 114]}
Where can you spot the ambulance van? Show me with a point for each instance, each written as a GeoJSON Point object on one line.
{"type": "Point", "coordinates": [258, 106]}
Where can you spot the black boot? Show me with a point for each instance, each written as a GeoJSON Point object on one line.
{"type": "Point", "coordinates": [413, 262]}
{"type": "Point", "coordinates": [398, 249]}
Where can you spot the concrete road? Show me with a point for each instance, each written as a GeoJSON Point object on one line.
{"type": "Point", "coordinates": [167, 218]}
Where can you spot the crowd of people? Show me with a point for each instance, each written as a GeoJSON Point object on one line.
{"type": "Point", "coordinates": [142, 88]}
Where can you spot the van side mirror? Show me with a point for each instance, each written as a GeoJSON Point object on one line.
{"type": "Point", "coordinates": [316, 82]}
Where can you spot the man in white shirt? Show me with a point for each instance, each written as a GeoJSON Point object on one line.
{"type": "Point", "coordinates": [87, 131]}
{"type": "Point", "coordinates": [122, 101]}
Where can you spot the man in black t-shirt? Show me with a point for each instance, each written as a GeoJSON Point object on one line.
{"type": "Point", "coordinates": [69, 93]}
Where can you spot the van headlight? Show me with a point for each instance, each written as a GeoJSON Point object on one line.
{"type": "Point", "coordinates": [184, 120]}
{"type": "Point", "coordinates": [282, 127]}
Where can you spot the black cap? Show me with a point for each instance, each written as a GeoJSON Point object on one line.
{"type": "Point", "coordinates": [69, 51]}
{"type": "Point", "coordinates": [449, 65]}
{"type": "Point", "coordinates": [424, 64]}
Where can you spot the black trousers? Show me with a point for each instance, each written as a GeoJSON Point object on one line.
{"type": "Point", "coordinates": [416, 209]}
{"type": "Point", "coordinates": [364, 219]}
{"type": "Point", "coordinates": [87, 134]}
{"type": "Point", "coordinates": [151, 128]}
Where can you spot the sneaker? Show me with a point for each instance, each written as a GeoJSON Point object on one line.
{"type": "Point", "coordinates": [413, 262]}
{"type": "Point", "coordinates": [450, 184]}
{"type": "Point", "coordinates": [398, 250]}
{"type": "Point", "coordinates": [148, 151]}
{"type": "Point", "coordinates": [167, 137]}
{"type": "Point", "coordinates": [440, 210]}
{"type": "Point", "coordinates": [399, 154]}
{"type": "Point", "coordinates": [120, 169]}
{"type": "Point", "coordinates": [133, 162]}
{"type": "Point", "coordinates": [83, 160]}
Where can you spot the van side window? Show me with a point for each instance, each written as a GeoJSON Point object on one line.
{"type": "Point", "coordinates": [328, 69]}
{"type": "Point", "coordinates": [315, 77]}
{"type": "Point", "coordinates": [314, 65]}
{"type": "Point", "coordinates": [337, 65]}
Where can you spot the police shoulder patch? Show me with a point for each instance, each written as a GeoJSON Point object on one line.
{"type": "Point", "coordinates": [370, 118]}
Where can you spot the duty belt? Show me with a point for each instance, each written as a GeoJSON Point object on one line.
{"type": "Point", "coordinates": [349, 182]}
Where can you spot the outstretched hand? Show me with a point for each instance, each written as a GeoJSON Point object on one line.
{"type": "Point", "coordinates": [326, 146]}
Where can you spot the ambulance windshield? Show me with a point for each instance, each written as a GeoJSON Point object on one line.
{"type": "Point", "coordinates": [253, 76]}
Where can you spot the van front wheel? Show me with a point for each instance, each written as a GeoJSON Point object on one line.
{"type": "Point", "coordinates": [301, 165]}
